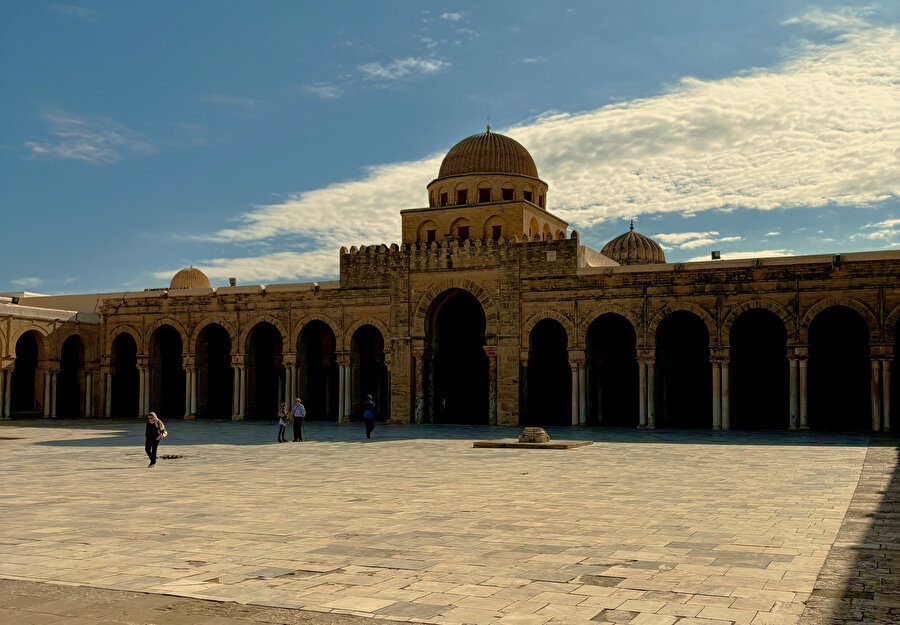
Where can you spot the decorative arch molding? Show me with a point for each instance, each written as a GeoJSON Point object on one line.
{"type": "Point", "coordinates": [436, 289]}
{"type": "Point", "coordinates": [168, 321]}
{"type": "Point", "coordinates": [890, 322]}
{"type": "Point", "coordinates": [328, 320]}
{"type": "Point", "coordinates": [788, 319]}
{"type": "Point", "coordinates": [213, 319]}
{"type": "Point", "coordinates": [114, 333]}
{"type": "Point", "coordinates": [255, 321]}
{"type": "Point", "coordinates": [43, 339]}
{"type": "Point", "coordinates": [565, 322]}
{"type": "Point", "coordinates": [90, 353]}
{"type": "Point", "coordinates": [595, 313]}
{"type": "Point", "coordinates": [368, 321]}
{"type": "Point", "coordinates": [668, 309]}
{"type": "Point", "coordinates": [4, 345]}
{"type": "Point", "coordinates": [840, 300]}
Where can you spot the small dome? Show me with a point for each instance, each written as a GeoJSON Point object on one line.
{"type": "Point", "coordinates": [189, 278]}
{"type": "Point", "coordinates": [633, 248]}
{"type": "Point", "coordinates": [488, 153]}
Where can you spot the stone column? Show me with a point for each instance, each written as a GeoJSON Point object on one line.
{"type": "Point", "coordinates": [726, 396]}
{"type": "Point", "coordinates": [345, 399]}
{"type": "Point", "coordinates": [492, 386]}
{"type": "Point", "coordinates": [288, 384]}
{"type": "Point", "coordinates": [430, 365]}
{"type": "Point", "coordinates": [876, 394]}
{"type": "Point", "coordinates": [523, 385]}
{"type": "Point", "coordinates": [793, 408]}
{"type": "Point", "coordinates": [46, 394]}
{"type": "Point", "coordinates": [89, 393]}
{"type": "Point", "coordinates": [3, 384]}
{"type": "Point", "coordinates": [54, 374]}
{"type": "Point", "coordinates": [886, 393]}
{"type": "Point", "coordinates": [582, 394]}
{"type": "Point", "coordinates": [341, 383]}
{"type": "Point", "coordinates": [235, 393]}
{"type": "Point", "coordinates": [804, 417]}
{"type": "Point", "coordinates": [242, 397]}
{"type": "Point", "coordinates": [419, 365]}
{"type": "Point", "coordinates": [651, 393]}
{"type": "Point", "coordinates": [642, 394]}
{"type": "Point", "coordinates": [107, 394]}
{"type": "Point", "coordinates": [7, 392]}
{"type": "Point", "coordinates": [194, 392]}
{"type": "Point", "coordinates": [188, 376]}
{"type": "Point", "coordinates": [716, 393]}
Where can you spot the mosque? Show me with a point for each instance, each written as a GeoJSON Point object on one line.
{"type": "Point", "coordinates": [488, 311]}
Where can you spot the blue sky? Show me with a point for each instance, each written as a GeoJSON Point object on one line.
{"type": "Point", "coordinates": [254, 139]}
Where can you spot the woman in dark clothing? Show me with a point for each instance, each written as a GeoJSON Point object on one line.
{"type": "Point", "coordinates": [369, 415]}
{"type": "Point", "coordinates": [155, 432]}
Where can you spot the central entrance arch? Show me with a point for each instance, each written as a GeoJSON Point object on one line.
{"type": "Point", "coordinates": [458, 376]}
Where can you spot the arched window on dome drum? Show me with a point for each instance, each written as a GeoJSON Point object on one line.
{"type": "Point", "coordinates": [444, 198]}
{"type": "Point", "coordinates": [462, 196]}
{"type": "Point", "coordinates": [431, 200]}
{"type": "Point", "coordinates": [527, 196]}
{"type": "Point", "coordinates": [493, 227]}
{"type": "Point", "coordinates": [507, 193]}
{"type": "Point", "coordinates": [484, 194]}
{"type": "Point", "coordinates": [541, 201]}
{"type": "Point", "coordinates": [546, 230]}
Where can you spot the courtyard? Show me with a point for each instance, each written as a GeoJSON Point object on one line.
{"type": "Point", "coordinates": [643, 527]}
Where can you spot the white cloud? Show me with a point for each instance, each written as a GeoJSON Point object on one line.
{"type": "Point", "coordinates": [452, 17]}
{"type": "Point", "coordinates": [774, 233]}
{"type": "Point", "coordinates": [886, 230]}
{"type": "Point", "coordinates": [399, 68]}
{"type": "Point", "coordinates": [27, 283]}
{"type": "Point", "coordinates": [677, 238]}
{"type": "Point", "coordinates": [94, 141]}
{"type": "Point", "coordinates": [323, 90]}
{"type": "Point", "coordinates": [230, 100]}
{"type": "Point", "coordinates": [78, 12]}
{"type": "Point", "coordinates": [820, 129]}
{"type": "Point", "coordinates": [280, 266]}
{"type": "Point", "coordinates": [742, 255]}
{"type": "Point", "coordinates": [840, 20]}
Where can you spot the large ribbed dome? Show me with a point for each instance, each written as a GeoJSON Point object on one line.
{"type": "Point", "coordinates": [488, 153]}
{"type": "Point", "coordinates": [633, 248]}
{"type": "Point", "coordinates": [189, 278]}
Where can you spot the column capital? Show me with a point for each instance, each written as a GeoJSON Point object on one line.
{"type": "Point", "coordinates": [419, 354]}
{"type": "Point", "coordinates": [646, 354]}
{"type": "Point", "coordinates": [7, 363]}
{"type": "Point", "coordinates": [188, 361]}
{"type": "Point", "coordinates": [719, 360]}
{"type": "Point", "coordinates": [797, 352]}
{"type": "Point", "coordinates": [882, 351]}
{"type": "Point", "coordinates": [238, 360]}
{"type": "Point", "coordinates": [289, 359]}
{"type": "Point", "coordinates": [524, 355]}
{"type": "Point", "coordinates": [342, 358]}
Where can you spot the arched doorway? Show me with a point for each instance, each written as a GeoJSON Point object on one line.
{"type": "Point", "coordinates": [167, 398]}
{"type": "Point", "coordinates": [368, 373]}
{"type": "Point", "coordinates": [26, 385]}
{"type": "Point", "coordinates": [69, 386]}
{"type": "Point", "coordinates": [318, 371]}
{"type": "Point", "coordinates": [265, 371]}
{"type": "Point", "coordinates": [759, 386]}
{"type": "Point", "coordinates": [215, 379]}
{"type": "Point", "coordinates": [684, 374]}
{"type": "Point", "coordinates": [549, 386]}
{"type": "Point", "coordinates": [458, 368]}
{"type": "Point", "coordinates": [612, 372]}
{"type": "Point", "coordinates": [839, 371]}
{"type": "Point", "coordinates": [124, 379]}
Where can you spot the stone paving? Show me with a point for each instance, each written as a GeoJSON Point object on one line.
{"type": "Point", "coordinates": [648, 528]}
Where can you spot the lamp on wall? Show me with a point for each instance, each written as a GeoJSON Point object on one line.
{"type": "Point", "coordinates": [232, 281]}
{"type": "Point", "coordinates": [716, 255]}
{"type": "Point", "coordinates": [14, 299]}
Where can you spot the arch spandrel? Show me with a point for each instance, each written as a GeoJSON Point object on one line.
{"type": "Point", "coordinates": [633, 317]}
{"type": "Point", "coordinates": [890, 323]}
{"type": "Point", "coordinates": [4, 344]}
{"type": "Point", "coordinates": [332, 323]}
{"type": "Point", "coordinates": [668, 309]}
{"type": "Point", "coordinates": [90, 351]}
{"type": "Point", "coordinates": [787, 318]}
{"type": "Point", "coordinates": [114, 332]}
{"type": "Point", "coordinates": [368, 321]}
{"type": "Point", "coordinates": [204, 323]}
{"type": "Point", "coordinates": [176, 325]}
{"type": "Point", "coordinates": [565, 322]}
{"type": "Point", "coordinates": [860, 307]}
{"type": "Point", "coordinates": [43, 338]}
{"type": "Point", "coordinates": [255, 321]}
{"type": "Point", "coordinates": [436, 289]}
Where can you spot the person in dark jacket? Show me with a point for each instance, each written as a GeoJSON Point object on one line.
{"type": "Point", "coordinates": [369, 415]}
{"type": "Point", "coordinates": [155, 432]}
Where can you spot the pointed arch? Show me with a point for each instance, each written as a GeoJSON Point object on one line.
{"type": "Point", "coordinates": [859, 306]}
{"type": "Point", "coordinates": [90, 351]}
{"type": "Point", "coordinates": [367, 321]}
{"type": "Point", "coordinates": [43, 337]}
{"type": "Point", "coordinates": [593, 314]}
{"type": "Point", "coordinates": [252, 323]}
{"type": "Point", "coordinates": [565, 322]}
{"type": "Point", "coordinates": [788, 319]}
{"type": "Point", "coordinates": [332, 323]}
{"type": "Point", "coordinates": [668, 309]}
{"type": "Point", "coordinates": [168, 321]}
{"type": "Point", "coordinates": [205, 322]}
{"type": "Point", "coordinates": [113, 333]}
{"type": "Point", "coordinates": [433, 291]}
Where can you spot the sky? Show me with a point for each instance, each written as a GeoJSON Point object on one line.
{"type": "Point", "coordinates": [254, 139]}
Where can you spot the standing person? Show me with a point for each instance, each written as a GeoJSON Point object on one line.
{"type": "Point", "coordinates": [369, 415]}
{"type": "Point", "coordinates": [155, 432]}
{"type": "Point", "coordinates": [298, 414]}
{"type": "Point", "coordinates": [282, 422]}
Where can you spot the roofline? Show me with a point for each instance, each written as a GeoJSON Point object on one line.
{"type": "Point", "coordinates": [488, 173]}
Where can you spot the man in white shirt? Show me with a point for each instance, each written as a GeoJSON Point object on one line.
{"type": "Point", "coordinates": [299, 413]}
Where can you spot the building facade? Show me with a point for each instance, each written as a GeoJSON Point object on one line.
{"type": "Point", "coordinates": [488, 311]}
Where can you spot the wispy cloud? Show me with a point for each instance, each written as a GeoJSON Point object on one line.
{"type": "Point", "coordinates": [267, 268]}
{"type": "Point", "coordinates": [90, 140]}
{"type": "Point", "coordinates": [27, 283]}
{"type": "Point", "coordinates": [886, 230]}
{"type": "Point", "coordinates": [743, 255]}
{"type": "Point", "coordinates": [692, 240]}
{"type": "Point", "coordinates": [819, 129]}
{"type": "Point", "coordinates": [230, 100]}
{"type": "Point", "coordinates": [843, 19]}
{"type": "Point", "coordinates": [323, 90]}
{"type": "Point", "coordinates": [399, 68]}
{"type": "Point", "coordinates": [78, 12]}
{"type": "Point", "coordinates": [452, 17]}
{"type": "Point", "coordinates": [772, 234]}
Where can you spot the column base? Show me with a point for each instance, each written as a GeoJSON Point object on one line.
{"type": "Point", "coordinates": [189, 417]}
{"type": "Point", "coordinates": [345, 419]}
{"type": "Point", "coordinates": [237, 417]}
{"type": "Point", "coordinates": [717, 427]}
{"type": "Point", "coordinates": [804, 428]}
